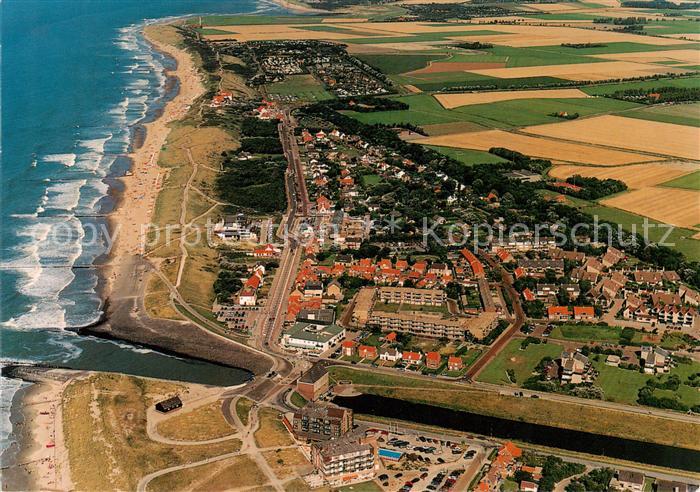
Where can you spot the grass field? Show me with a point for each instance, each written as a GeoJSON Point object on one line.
{"type": "Point", "coordinates": [587, 333]}
{"type": "Point", "coordinates": [678, 114]}
{"type": "Point", "coordinates": [243, 406]}
{"type": "Point", "coordinates": [426, 110]}
{"type": "Point", "coordinates": [523, 362]}
{"type": "Point", "coordinates": [211, 476]}
{"type": "Point", "coordinates": [395, 64]}
{"type": "Point", "coordinates": [104, 424]}
{"type": "Point", "coordinates": [304, 87]}
{"type": "Point", "coordinates": [468, 157]}
{"type": "Point", "coordinates": [682, 82]}
{"type": "Point", "coordinates": [272, 431]}
{"type": "Point", "coordinates": [371, 179]}
{"type": "Point", "coordinates": [201, 424]}
{"type": "Point", "coordinates": [689, 182]}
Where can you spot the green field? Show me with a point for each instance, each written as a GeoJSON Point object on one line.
{"type": "Point", "coordinates": [622, 385]}
{"type": "Point", "coordinates": [681, 238]}
{"type": "Point", "coordinates": [620, 48]}
{"type": "Point", "coordinates": [468, 157]}
{"type": "Point", "coordinates": [523, 362]}
{"type": "Point", "coordinates": [689, 182]}
{"type": "Point", "coordinates": [587, 333]}
{"type": "Point", "coordinates": [678, 114]}
{"type": "Point", "coordinates": [395, 64]}
{"type": "Point", "coordinates": [425, 110]}
{"type": "Point", "coordinates": [232, 20]}
{"type": "Point", "coordinates": [371, 179]}
{"type": "Point", "coordinates": [417, 38]}
{"type": "Point", "coordinates": [602, 89]}
{"type": "Point", "coordinates": [304, 87]}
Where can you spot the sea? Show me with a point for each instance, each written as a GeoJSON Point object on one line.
{"type": "Point", "coordinates": [77, 80]}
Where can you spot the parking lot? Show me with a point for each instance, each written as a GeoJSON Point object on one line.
{"type": "Point", "coordinates": [426, 463]}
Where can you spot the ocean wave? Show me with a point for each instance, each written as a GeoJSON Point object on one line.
{"type": "Point", "coordinates": [64, 195]}
{"type": "Point", "coordinates": [67, 160]}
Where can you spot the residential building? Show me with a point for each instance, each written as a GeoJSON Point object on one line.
{"type": "Point", "coordinates": [348, 348]}
{"type": "Point", "coordinates": [574, 367]}
{"type": "Point", "coordinates": [454, 363]}
{"type": "Point", "coordinates": [364, 300]}
{"type": "Point", "coordinates": [412, 358]}
{"type": "Point", "coordinates": [631, 481]}
{"type": "Point", "coordinates": [313, 383]}
{"type": "Point", "coordinates": [406, 295]}
{"type": "Point", "coordinates": [317, 316]}
{"type": "Point", "coordinates": [655, 360]}
{"type": "Point", "coordinates": [584, 313]}
{"type": "Point", "coordinates": [322, 421]}
{"type": "Point", "coordinates": [346, 460]}
{"type": "Point", "coordinates": [433, 325]}
{"type": "Point", "coordinates": [558, 313]}
{"type": "Point", "coordinates": [313, 337]}
{"type": "Point", "coordinates": [367, 352]}
{"type": "Point", "coordinates": [432, 360]}
{"type": "Point", "coordinates": [389, 354]}
{"type": "Point", "coordinates": [535, 267]}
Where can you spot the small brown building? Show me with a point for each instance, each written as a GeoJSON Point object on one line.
{"type": "Point", "coordinates": [313, 383]}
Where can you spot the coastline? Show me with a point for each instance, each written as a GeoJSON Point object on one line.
{"type": "Point", "coordinates": [298, 7]}
{"type": "Point", "coordinates": [38, 457]}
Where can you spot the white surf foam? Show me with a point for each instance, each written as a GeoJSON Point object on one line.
{"type": "Point", "coordinates": [67, 160]}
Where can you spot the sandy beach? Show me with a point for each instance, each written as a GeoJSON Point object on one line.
{"type": "Point", "coordinates": [141, 187]}
{"type": "Point", "coordinates": [297, 7]}
{"type": "Point", "coordinates": [42, 460]}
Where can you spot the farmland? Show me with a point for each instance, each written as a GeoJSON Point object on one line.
{"type": "Point", "coordinates": [678, 207]}
{"type": "Point", "coordinates": [688, 182]}
{"type": "Point", "coordinates": [634, 176]}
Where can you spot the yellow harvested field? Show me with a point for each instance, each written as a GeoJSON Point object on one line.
{"type": "Point", "coordinates": [692, 36]}
{"type": "Point", "coordinates": [343, 20]}
{"type": "Point", "coordinates": [627, 133]}
{"type": "Point", "coordinates": [456, 100]}
{"type": "Point", "coordinates": [688, 56]}
{"type": "Point", "coordinates": [537, 147]}
{"type": "Point", "coordinates": [525, 36]}
{"type": "Point", "coordinates": [552, 7]}
{"type": "Point", "coordinates": [635, 176]}
{"type": "Point", "coordinates": [273, 32]}
{"type": "Point", "coordinates": [582, 71]}
{"type": "Point", "coordinates": [672, 206]}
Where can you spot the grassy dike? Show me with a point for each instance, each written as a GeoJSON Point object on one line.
{"type": "Point", "coordinates": [536, 411]}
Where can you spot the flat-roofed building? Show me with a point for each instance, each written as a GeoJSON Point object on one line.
{"type": "Point", "coordinates": [347, 460]}
{"type": "Point", "coordinates": [364, 300]}
{"type": "Point", "coordinates": [408, 295]}
{"type": "Point", "coordinates": [433, 325]}
{"type": "Point", "coordinates": [313, 337]}
{"type": "Point", "coordinates": [322, 422]}
{"type": "Point", "coordinates": [313, 383]}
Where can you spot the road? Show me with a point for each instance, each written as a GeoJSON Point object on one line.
{"type": "Point", "coordinates": [514, 328]}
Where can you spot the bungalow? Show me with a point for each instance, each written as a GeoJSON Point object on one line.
{"type": "Point", "coordinates": [348, 348]}
{"type": "Point", "coordinates": [324, 205]}
{"type": "Point", "coordinates": [649, 277]}
{"type": "Point", "coordinates": [655, 360]}
{"type": "Point", "coordinates": [454, 363]}
{"type": "Point", "coordinates": [390, 337]}
{"type": "Point", "coordinates": [526, 486]}
{"type": "Point", "coordinates": [267, 251]}
{"type": "Point", "coordinates": [528, 295]}
{"type": "Point", "coordinates": [367, 352]}
{"type": "Point", "coordinates": [432, 360]}
{"type": "Point", "coordinates": [413, 358]}
{"type": "Point", "coordinates": [558, 313]}
{"type": "Point", "coordinates": [574, 366]}
{"type": "Point", "coordinates": [389, 354]}
{"type": "Point", "coordinates": [584, 313]}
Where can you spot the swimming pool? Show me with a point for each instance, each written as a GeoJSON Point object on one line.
{"type": "Point", "coordinates": [390, 454]}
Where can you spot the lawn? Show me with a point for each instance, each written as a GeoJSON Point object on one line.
{"type": "Point", "coordinates": [622, 385]}
{"type": "Point", "coordinates": [371, 179]}
{"type": "Point", "coordinates": [370, 486]}
{"type": "Point", "coordinates": [395, 64]}
{"type": "Point", "coordinates": [200, 424]}
{"type": "Point", "coordinates": [587, 333]}
{"type": "Point", "coordinates": [395, 308]}
{"type": "Point", "coordinates": [304, 87]}
{"type": "Point", "coordinates": [468, 157]}
{"type": "Point", "coordinates": [522, 362]}
{"type": "Point", "coordinates": [369, 378]}
{"type": "Point", "coordinates": [678, 114]}
{"type": "Point", "coordinates": [298, 400]}
{"type": "Point", "coordinates": [689, 182]}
